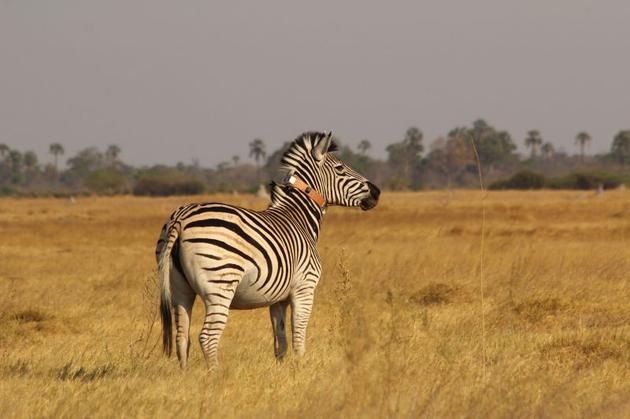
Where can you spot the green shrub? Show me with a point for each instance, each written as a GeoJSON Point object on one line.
{"type": "Point", "coordinates": [524, 179]}
{"type": "Point", "coordinates": [585, 181]}
{"type": "Point", "coordinates": [165, 184]}
{"type": "Point", "coordinates": [107, 182]}
{"type": "Point", "coordinates": [6, 190]}
{"type": "Point", "coordinates": [398, 184]}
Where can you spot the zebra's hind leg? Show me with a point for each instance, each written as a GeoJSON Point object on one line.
{"type": "Point", "coordinates": [278, 313]}
{"type": "Point", "coordinates": [183, 300]}
{"type": "Point", "coordinates": [218, 295]}
{"type": "Point", "coordinates": [301, 305]}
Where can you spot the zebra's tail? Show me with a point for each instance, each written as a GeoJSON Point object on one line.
{"type": "Point", "coordinates": [164, 269]}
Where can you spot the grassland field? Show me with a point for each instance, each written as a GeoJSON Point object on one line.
{"type": "Point", "coordinates": [399, 328]}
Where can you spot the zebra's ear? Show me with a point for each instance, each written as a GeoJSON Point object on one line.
{"type": "Point", "coordinates": [321, 146]}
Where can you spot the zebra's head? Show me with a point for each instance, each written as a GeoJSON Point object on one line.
{"type": "Point", "coordinates": [310, 159]}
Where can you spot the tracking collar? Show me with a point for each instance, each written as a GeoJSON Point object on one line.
{"type": "Point", "coordinates": [297, 183]}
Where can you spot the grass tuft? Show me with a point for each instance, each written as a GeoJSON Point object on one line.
{"type": "Point", "coordinates": [29, 316]}
{"type": "Point", "coordinates": [536, 309]}
{"type": "Point", "coordinates": [584, 352]}
{"type": "Point", "coordinates": [72, 372]}
{"type": "Point", "coordinates": [433, 294]}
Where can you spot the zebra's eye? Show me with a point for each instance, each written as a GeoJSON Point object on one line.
{"type": "Point", "coordinates": [339, 168]}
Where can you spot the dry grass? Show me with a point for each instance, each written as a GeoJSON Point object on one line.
{"type": "Point", "coordinates": [396, 329]}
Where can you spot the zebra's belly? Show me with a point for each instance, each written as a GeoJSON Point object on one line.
{"type": "Point", "coordinates": [247, 295]}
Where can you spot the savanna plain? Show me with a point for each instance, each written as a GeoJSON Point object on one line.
{"type": "Point", "coordinates": [424, 310]}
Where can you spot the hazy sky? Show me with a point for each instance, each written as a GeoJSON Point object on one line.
{"type": "Point", "coordinates": [176, 80]}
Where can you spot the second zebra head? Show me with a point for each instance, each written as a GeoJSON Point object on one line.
{"type": "Point", "coordinates": [310, 160]}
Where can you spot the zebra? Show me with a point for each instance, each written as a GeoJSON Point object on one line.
{"type": "Point", "coordinates": [237, 258]}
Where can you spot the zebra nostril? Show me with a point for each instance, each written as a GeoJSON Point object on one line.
{"type": "Point", "coordinates": [374, 190]}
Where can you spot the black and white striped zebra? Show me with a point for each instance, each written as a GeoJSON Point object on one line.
{"type": "Point", "coordinates": [239, 258]}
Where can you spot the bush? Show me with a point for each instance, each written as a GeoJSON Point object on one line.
{"type": "Point", "coordinates": [107, 181]}
{"type": "Point", "coordinates": [524, 179]}
{"type": "Point", "coordinates": [6, 190]}
{"type": "Point", "coordinates": [398, 184]}
{"type": "Point", "coordinates": [165, 184]}
{"type": "Point", "coordinates": [585, 181]}
{"type": "Point", "coordinates": [580, 180]}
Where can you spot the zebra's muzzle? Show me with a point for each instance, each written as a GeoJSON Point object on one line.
{"type": "Point", "coordinates": [371, 201]}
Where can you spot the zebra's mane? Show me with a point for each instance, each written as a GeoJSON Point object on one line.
{"type": "Point", "coordinates": [276, 189]}
{"type": "Point", "coordinates": [300, 141]}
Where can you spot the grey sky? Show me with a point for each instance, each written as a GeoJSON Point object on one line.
{"type": "Point", "coordinates": [171, 81]}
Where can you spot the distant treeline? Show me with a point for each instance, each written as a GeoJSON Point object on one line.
{"type": "Point", "coordinates": [450, 161]}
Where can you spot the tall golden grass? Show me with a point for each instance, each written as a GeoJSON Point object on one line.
{"type": "Point", "coordinates": [396, 328]}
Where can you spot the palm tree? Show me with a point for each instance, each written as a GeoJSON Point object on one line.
{"type": "Point", "coordinates": [235, 160]}
{"type": "Point", "coordinates": [112, 153]}
{"type": "Point", "coordinates": [621, 147]}
{"type": "Point", "coordinates": [56, 150]}
{"type": "Point", "coordinates": [583, 138]}
{"type": "Point", "coordinates": [364, 146]}
{"type": "Point", "coordinates": [16, 161]}
{"type": "Point", "coordinates": [257, 150]}
{"type": "Point", "coordinates": [547, 150]}
{"type": "Point", "coordinates": [4, 150]}
{"type": "Point", "coordinates": [30, 164]}
{"type": "Point", "coordinates": [533, 140]}
{"type": "Point", "coordinates": [30, 160]}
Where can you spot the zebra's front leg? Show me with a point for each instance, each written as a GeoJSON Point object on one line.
{"type": "Point", "coordinates": [301, 305]}
{"type": "Point", "coordinates": [278, 313]}
{"type": "Point", "coordinates": [218, 297]}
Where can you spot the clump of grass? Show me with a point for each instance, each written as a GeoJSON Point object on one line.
{"type": "Point", "coordinates": [536, 309]}
{"type": "Point", "coordinates": [456, 231]}
{"type": "Point", "coordinates": [582, 352]}
{"type": "Point", "coordinates": [433, 294]}
{"type": "Point", "coordinates": [71, 372]}
{"type": "Point", "coordinates": [29, 316]}
{"type": "Point", "coordinates": [350, 316]}
{"type": "Point", "coordinates": [144, 345]}
{"type": "Point", "coordinates": [18, 368]}
{"type": "Point", "coordinates": [23, 322]}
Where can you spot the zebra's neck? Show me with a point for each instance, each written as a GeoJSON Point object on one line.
{"type": "Point", "coordinates": [296, 205]}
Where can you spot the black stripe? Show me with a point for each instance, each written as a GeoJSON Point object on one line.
{"type": "Point", "coordinates": [208, 256]}
{"type": "Point", "coordinates": [223, 281]}
{"type": "Point", "coordinates": [214, 322]}
{"type": "Point", "coordinates": [300, 202]}
{"type": "Point", "coordinates": [227, 247]}
{"type": "Point", "coordinates": [211, 208]}
{"type": "Point", "coordinates": [215, 294]}
{"type": "Point", "coordinates": [177, 263]}
{"type": "Point", "coordinates": [277, 248]}
{"type": "Point", "coordinates": [249, 218]}
{"type": "Point", "coordinates": [213, 222]}
{"type": "Point", "coordinates": [226, 266]}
